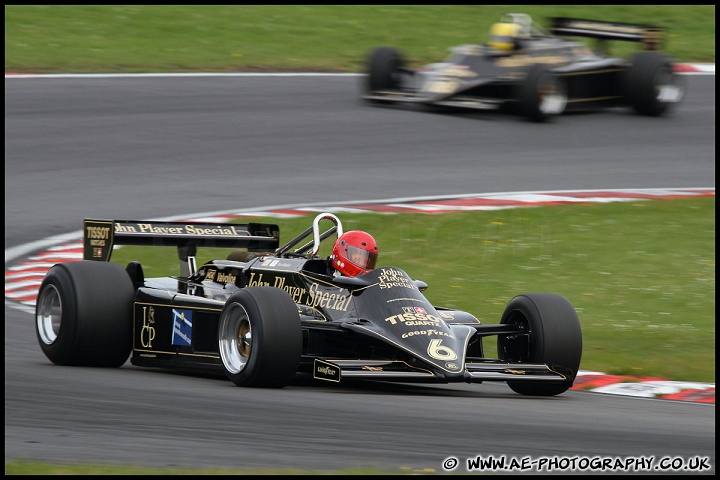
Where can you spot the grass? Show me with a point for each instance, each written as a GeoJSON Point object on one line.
{"type": "Point", "coordinates": [221, 38]}
{"type": "Point", "coordinates": [641, 275]}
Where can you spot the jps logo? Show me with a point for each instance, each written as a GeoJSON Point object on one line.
{"type": "Point", "coordinates": [147, 333]}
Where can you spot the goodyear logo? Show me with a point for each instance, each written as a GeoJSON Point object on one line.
{"type": "Point", "coordinates": [323, 370]}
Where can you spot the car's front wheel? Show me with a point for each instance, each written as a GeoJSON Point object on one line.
{"type": "Point", "coordinates": [83, 314]}
{"type": "Point", "coordinates": [550, 334]}
{"type": "Point", "coordinates": [383, 69]}
{"type": "Point", "coordinates": [260, 337]}
{"type": "Point", "coordinates": [542, 95]}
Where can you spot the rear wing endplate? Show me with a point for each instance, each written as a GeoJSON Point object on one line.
{"type": "Point", "coordinates": [650, 36]}
{"type": "Point", "coordinates": [100, 236]}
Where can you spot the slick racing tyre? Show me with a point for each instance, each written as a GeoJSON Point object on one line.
{"type": "Point", "coordinates": [83, 314]}
{"type": "Point", "coordinates": [651, 86]}
{"type": "Point", "coordinates": [384, 69]}
{"type": "Point", "coordinates": [260, 337]}
{"type": "Point", "coordinates": [552, 336]}
{"type": "Point", "coordinates": [542, 95]}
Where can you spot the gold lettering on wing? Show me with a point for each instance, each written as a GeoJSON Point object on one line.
{"type": "Point", "coordinates": [627, 29]}
{"type": "Point", "coordinates": [98, 232]}
{"type": "Point", "coordinates": [327, 371]}
{"type": "Point", "coordinates": [98, 236]}
{"type": "Point", "coordinates": [124, 228]}
{"type": "Point", "coordinates": [196, 230]}
{"type": "Point", "coordinates": [517, 372]}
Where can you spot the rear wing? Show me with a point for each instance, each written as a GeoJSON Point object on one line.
{"type": "Point", "coordinates": [100, 236]}
{"type": "Point", "coordinates": [650, 36]}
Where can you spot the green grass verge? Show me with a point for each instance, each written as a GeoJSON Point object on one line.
{"type": "Point", "coordinates": [156, 38]}
{"type": "Point", "coordinates": [641, 274]}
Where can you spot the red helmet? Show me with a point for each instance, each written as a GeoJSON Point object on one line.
{"type": "Point", "coordinates": [354, 253]}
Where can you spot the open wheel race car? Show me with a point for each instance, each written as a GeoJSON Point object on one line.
{"type": "Point", "coordinates": [270, 311]}
{"type": "Point", "coordinates": [536, 74]}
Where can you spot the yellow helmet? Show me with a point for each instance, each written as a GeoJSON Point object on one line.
{"type": "Point", "coordinates": [503, 35]}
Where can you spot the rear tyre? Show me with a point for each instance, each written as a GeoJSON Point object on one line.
{"type": "Point", "coordinates": [542, 95]}
{"type": "Point", "coordinates": [551, 335]}
{"type": "Point", "coordinates": [651, 86]}
{"type": "Point", "coordinates": [83, 314]}
{"type": "Point", "coordinates": [260, 337]}
{"type": "Point", "coordinates": [384, 67]}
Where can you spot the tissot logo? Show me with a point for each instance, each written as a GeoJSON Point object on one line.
{"type": "Point", "coordinates": [98, 232]}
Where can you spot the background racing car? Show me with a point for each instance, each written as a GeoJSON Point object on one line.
{"type": "Point", "coordinates": [535, 73]}
{"type": "Point", "coordinates": [271, 311]}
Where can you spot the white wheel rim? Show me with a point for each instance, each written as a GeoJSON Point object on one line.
{"type": "Point", "coordinates": [49, 314]}
{"type": "Point", "coordinates": [235, 338]}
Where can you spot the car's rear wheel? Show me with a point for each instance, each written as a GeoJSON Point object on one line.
{"type": "Point", "coordinates": [542, 95]}
{"type": "Point", "coordinates": [384, 69]}
{"type": "Point", "coordinates": [651, 86]}
{"type": "Point", "coordinates": [83, 314]}
{"type": "Point", "coordinates": [550, 335]}
{"type": "Point", "coordinates": [260, 337]}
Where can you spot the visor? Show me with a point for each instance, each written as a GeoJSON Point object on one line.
{"type": "Point", "coordinates": [361, 258]}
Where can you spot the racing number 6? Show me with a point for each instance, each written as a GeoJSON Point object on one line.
{"type": "Point", "coordinates": [437, 350]}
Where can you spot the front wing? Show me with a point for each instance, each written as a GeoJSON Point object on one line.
{"type": "Point", "coordinates": [459, 101]}
{"type": "Point", "coordinates": [400, 371]}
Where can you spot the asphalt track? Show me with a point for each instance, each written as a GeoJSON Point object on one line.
{"type": "Point", "coordinates": [152, 147]}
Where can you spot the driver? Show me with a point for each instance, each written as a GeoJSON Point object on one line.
{"type": "Point", "coordinates": [354, 253]}
{"type": "Point", "coordinates": [504, 37]}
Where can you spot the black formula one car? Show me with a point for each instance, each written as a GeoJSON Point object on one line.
{"type": "Point", "coordinates": [536, 74]}
{"type": "Point", "coordinates": [269, 312]}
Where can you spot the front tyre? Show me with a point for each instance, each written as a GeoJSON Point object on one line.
{"type": "Point", "coordinates": [542, 95]}
{"type": "Point", "coordinates": [652, 87]}
{"type": "Point", "coordinates": [384, 70]}
{"type": "Point", "coordinates": [83, 314]}
{"type": "Point", "coordinates": [550, 335]}
{"type": "Point", "coordinates": [260, 337]}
